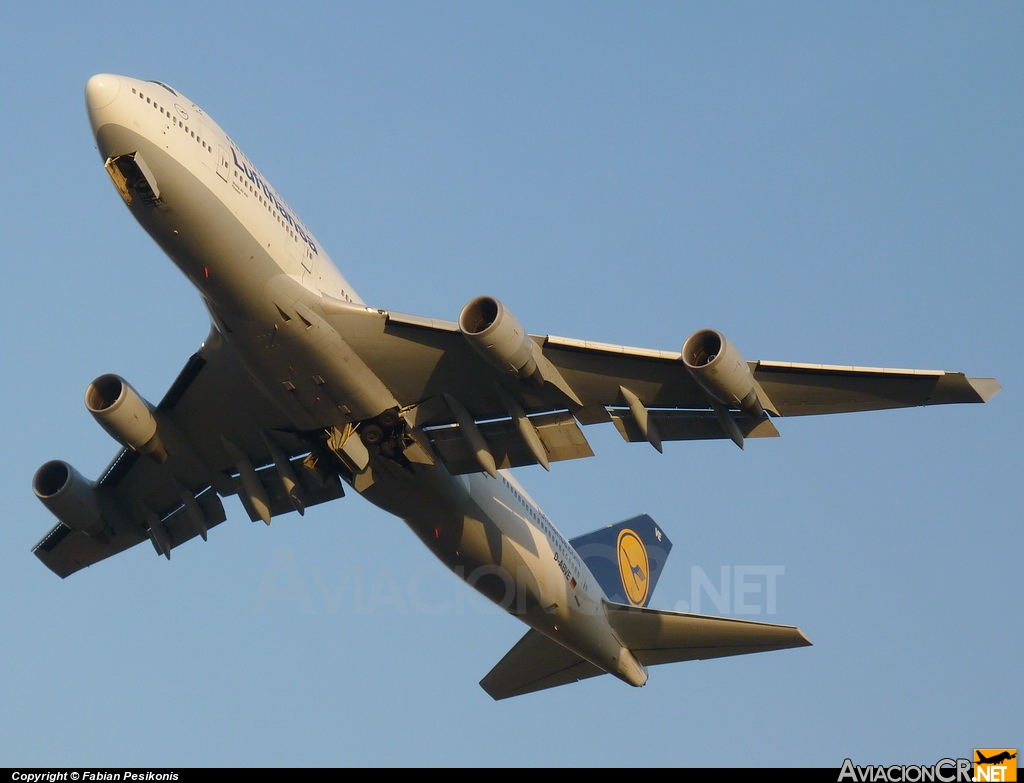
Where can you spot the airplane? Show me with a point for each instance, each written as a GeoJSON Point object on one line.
{"type": "Point", "coordinates": [999, 758]}
{"type": "Point", "coordinates": [302, 390]}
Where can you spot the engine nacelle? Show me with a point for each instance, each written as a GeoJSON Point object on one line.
{"type": "Point", "coordinates": [498, 336]}
{"type": "Point", "coordinates": [720, 370]}
{"type": "Point", "coordinates": [124, 415]}
{"type": "Point", "coordinates": [69, 497]}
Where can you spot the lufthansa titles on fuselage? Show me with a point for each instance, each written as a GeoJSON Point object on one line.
{"type": "Point", "coordinates": [249, 171]}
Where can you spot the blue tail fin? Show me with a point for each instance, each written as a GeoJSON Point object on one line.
{"type": "Point", "coordinates": [626, 558]}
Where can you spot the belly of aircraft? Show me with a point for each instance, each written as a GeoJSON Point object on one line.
{"type": "Point", "coordinates": [268, 316]}
{"type": "Point", "coordinates": [500, 557]}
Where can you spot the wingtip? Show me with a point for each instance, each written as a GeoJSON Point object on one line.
{"type": "Point", "coordinates": [986, 388]}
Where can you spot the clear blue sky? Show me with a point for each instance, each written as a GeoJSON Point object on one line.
{"type": "Point", "coordinates": [836, 183]}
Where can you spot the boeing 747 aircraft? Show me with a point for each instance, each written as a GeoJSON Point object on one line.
{"type": "Point", "coordinates": [302, 390]}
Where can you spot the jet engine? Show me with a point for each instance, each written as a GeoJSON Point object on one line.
{"type": "Point", "coordinates": [498, 336]}
{"type": "Point", "coordinates": [69, 497]}
{"type": "Point", "coordinates": [124, 415]}
{"type": "Point", "coordinates": [720, 370]}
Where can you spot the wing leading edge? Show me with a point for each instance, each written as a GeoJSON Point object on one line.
{"type": "Point", "coordinates": [222, 437]}
{"type": "Point", "coordinates": [809, 389]}
{"type": "Point", "coordinates": [649, 395]}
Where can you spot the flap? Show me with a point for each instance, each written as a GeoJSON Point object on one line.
{"type": "Point", "coordinates": [559, 433]}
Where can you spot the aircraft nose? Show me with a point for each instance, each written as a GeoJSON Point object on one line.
{"type": "Point", "coordinates": [101, 90]}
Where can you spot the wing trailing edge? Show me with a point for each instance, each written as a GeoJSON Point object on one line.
{"type": "Point", "coordinates": [809, 389]}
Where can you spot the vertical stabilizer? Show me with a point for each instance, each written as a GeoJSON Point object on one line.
{"type": "Point", "coordinates": [626, 558]}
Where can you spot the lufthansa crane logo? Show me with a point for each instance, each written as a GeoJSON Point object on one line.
{"type": "Point", "coordinates": [634, 567]}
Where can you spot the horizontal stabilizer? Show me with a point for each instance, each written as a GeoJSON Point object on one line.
{"type": "Point", "coordinates": [657, 636]}
{"type": "Point", "coordinates": [534, 664]}
{"type": "Point", "coordinates": [653, 636]}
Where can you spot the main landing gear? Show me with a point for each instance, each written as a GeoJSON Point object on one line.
{"type": "Point", "coordinates": [385, 431]}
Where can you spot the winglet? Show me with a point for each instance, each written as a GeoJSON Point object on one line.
{"type": "Point", "coordinates": [986, 388]}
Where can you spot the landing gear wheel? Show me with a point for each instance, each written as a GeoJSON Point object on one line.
{"type": "Point", "coordinates": [388, 419]}
{"type": "Point", "coordinates": [371, 434]}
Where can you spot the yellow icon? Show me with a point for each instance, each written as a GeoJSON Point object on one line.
{"type": "Point", "coordinates": [634, 567]}
{"type": "Point", "coordinates": [995, 764]}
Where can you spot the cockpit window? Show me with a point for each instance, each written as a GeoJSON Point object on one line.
{"type": "Point", "coordinates": [172, 92]}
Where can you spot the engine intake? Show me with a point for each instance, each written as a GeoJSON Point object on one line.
{"type": "Point", "coordinates": [498, 336]}
{"type": "Point", "coordinates": [69, 497]}
{"type": "Point", "coordinates": [721, 371]}
{"type": "Point", "coordinates": [126, 417]}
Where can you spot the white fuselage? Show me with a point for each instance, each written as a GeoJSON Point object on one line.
{"type": "Point", "coordinates": [265, 279]}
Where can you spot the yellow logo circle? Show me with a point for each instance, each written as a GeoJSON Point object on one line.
{"type": "Point", "coordinates": [633, 567]}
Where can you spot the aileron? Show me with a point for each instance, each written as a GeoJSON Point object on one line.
{"type": "Point", "coordinates": [804, 389]}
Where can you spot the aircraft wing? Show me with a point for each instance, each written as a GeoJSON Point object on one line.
{"type": "Point", "coordinates": [225, 437]}
{"type": "Point", "coordinates": [807, 389]}
{"type": "Point", "coordinates": [452, 387]}
{"type": "Point", "coordinates": [211, 422]}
